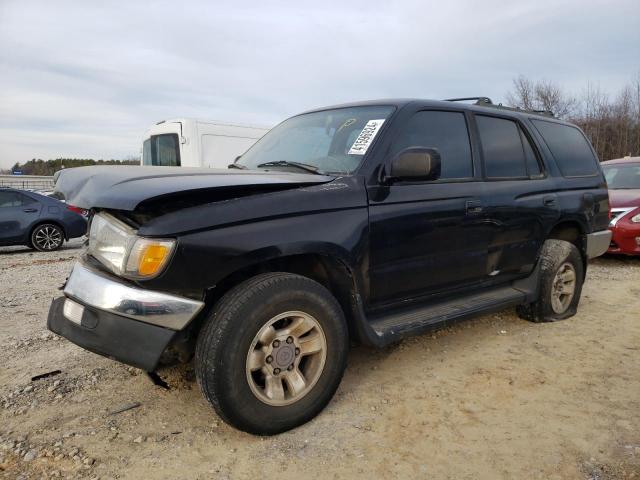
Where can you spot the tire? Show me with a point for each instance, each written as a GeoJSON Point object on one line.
{"type": "Point", "coordinates": [46, 237]}
{"type": "Point", "coordinates": [559, 262]}
{"type": "Point", "coordinates": [227, 374]}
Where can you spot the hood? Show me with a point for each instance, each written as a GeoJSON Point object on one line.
{"type": "Point", "coordinates": [624, 197]}
{"type": "Point", "coordinates": [126, 187]}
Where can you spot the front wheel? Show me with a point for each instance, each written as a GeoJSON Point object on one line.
{"type": "Point", "coordinates": [561, 278]}
{"type": "Point", "coordinates": [272, 353]}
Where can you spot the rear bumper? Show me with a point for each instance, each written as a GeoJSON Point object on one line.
{"type": "Point", "coordinates": [117, 320]}
{"type": "Point", "coordinates": [598, 243]}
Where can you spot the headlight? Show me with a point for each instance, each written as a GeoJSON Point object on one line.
{"type": "Point", "coordinates": [636, 218]}
{"type": "Point", "coordinates": [118, 248]}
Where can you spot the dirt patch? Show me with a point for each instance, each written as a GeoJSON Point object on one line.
{"type": "Point", "coordinates": [496, 397]}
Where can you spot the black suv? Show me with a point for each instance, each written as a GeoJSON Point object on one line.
{"type": "Point", "coordinates": [369, 221]}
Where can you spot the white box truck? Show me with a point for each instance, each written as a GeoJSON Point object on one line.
{"type": "Point", "coordinates": [188, 142]}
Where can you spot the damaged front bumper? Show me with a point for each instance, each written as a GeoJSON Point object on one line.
{"type": "Point", "coordinates": [122, 322]}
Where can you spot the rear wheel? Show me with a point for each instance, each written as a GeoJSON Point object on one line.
{"type": "Point", "coordinates": [47, 237]}
{"type": "Point", "coordinates": [561, 279]}
{"type": "Point", "coordinates": [272, 353]}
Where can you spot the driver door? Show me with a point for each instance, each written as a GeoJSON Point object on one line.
{"type": "Point", "coordinates": [429, 237]}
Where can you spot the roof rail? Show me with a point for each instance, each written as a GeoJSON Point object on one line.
{"type": "Point", "coordinates": [486, 102]}
{"type": "Point", "coordinates": [479, 100]}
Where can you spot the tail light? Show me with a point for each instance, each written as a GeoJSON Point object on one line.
{"type": "Point", "coordinates": [78, 210]}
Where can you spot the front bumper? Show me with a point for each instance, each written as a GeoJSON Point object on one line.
{"type": "Point", "coordinates": [119, 321]}
{"type": "Point", "coordinates": [598, 243]}
{"type": "Point", "coordinates": [102, 291]}
{"type": "Point", "coordinates": [119, 338]}
{"type": "Point", "coordinates": [626, 239]}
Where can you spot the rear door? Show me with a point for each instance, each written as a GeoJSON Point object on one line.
{"type": "Point", "coordinates": [520, 199]}
{"type": "Point", "coordinates": [17, 213]}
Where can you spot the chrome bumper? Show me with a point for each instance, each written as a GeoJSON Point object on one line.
{"type": "Point", "coordinates": [95, 289]}
{"type": "Point", "coordinates": [598, 243]}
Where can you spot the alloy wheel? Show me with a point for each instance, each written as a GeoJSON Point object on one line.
{"type": "Point", "coordinates": [563, 288]}
{"type": "Point", "coordinates": [286, 358]}
{"type": "Point", "coordinates": [47, 237]}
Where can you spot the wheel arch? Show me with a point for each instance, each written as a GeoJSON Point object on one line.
{"type": "Point", "coordinates": [572, 231]}
{"type": "Point", "coordinates": [330, 270]}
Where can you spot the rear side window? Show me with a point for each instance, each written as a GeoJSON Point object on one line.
{"type": "Point", "coordinates": [445, 131]}
{"type": "Point", "coordinates": [502, 148]}
{"type": "Point", "coordinates": [569, 147]}
{"type": "Point", "coordinates": [26, 199]}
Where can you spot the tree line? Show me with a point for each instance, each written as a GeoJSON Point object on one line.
{"type": "Point", "coordinates": [49, 167]}
{"type": "Point", "coordinates": [612, 122]}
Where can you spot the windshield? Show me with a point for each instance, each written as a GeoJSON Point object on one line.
{"type": "Point", "coordinates": [622, 176]}
{"type": "Point", "coordinates": [330, 141]}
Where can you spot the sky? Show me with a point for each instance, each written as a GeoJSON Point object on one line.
{"type": "Point", "coordinates": [84, 79]}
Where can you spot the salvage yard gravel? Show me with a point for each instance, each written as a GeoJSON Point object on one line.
{"type": "Point", "coordinates": [496, 397]}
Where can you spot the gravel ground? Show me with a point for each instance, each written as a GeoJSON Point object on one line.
{"type": "Point", "coordinates": [496, 397]}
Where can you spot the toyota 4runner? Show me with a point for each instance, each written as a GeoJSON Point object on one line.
{"type": "Point", "coordinates": [367, 222]}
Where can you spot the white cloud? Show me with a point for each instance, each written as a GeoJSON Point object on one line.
{"type": "Point", "coordinates": [86, 79]}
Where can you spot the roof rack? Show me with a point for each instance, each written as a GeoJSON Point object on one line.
{"type": "Point", "coordinates": [479, 100]}
{"type": "Point", "coordinates": [487, 102]}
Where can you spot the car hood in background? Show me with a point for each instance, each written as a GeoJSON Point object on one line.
{"type": "Point", "coordinates": [125, 187]}
{"type": "Point", "coordinates": [624, 197]}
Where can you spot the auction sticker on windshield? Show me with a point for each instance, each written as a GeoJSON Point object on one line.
{"type": "Point", "coordinates": [366, 137]}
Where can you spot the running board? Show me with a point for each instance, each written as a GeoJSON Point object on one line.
{"type": "Point", "coordinates": [382, 329]}
{"type": "Point", "coordinates": [418, 319]}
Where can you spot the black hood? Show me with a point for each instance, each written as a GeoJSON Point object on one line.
{"type": "Point", "coordinates": [126, 187]}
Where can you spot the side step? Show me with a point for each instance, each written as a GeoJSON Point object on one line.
{"type": "Point", "coordinates": [379, 330]}
{"type": "Point", "coordinates": [418, 319]}
{"type": "Point", "coordinates": [383, 329]}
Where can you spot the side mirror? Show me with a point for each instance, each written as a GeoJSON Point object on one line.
{"type": "Point", "coordinates": [416, 163]}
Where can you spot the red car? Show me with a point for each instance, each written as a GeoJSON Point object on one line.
{"type": "Point", "coordinates": [623, 178]}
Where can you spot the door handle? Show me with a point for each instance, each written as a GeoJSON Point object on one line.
{"type": "Point", "coordinates": [30, 210]}
{"type": "Point", "coordinates": [473, 207]}
{"type": "Point", "coordinates": [549, 201]}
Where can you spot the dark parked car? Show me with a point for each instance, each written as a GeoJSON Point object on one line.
{"type": "Point", "coordinates": [40, 222]}
{"type": "Point", "coordinates": [368, 222]}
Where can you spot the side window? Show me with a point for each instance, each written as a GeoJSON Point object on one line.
{"type": "Point", "coordinates": [161, 150]}
{"type": "Point", "coordinates": [445, 131]}
{"type": "Point", "coordinates": [26, 199]}
{"type": "Point", "coordinates": [569, 147]}
{"type": "Point", "coordinates": [167, 152]}
{"type": "Point", "coordinates": [9, 199]}
{"type": "Point", "coordinates": [146, 152]}
{"type": "Point", "coordinates": [502, 147]}
{"type": "Point", "coordinates": [533, 166]}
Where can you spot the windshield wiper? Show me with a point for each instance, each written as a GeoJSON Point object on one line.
{"type": "Point", "coordinates": [237, 165]}
{"type": "Point", "coordinates": [286, 163]}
